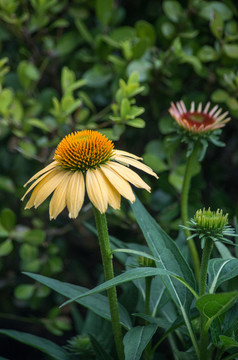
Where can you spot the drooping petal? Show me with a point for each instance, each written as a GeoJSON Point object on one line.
{"type": "Point", "coordinates": [36, 182]}
{"type": "Point", "coordinates": [58, 200]}
{"type": "Point", "coordinates": [121, 185]}
{"type": "Point", "coordinates": [95, 194]}
{"type": "Point", "coordinates": [127, 154]}
{"type": "Point", "coordinates": [75, 194]}
{"type": "Point", "coordinates": [136, 164]}
{"type": "Point", "coordinates": [45, 188]}
{"type": "Point", "coordinates": [129, 175]}
{"type": "Point", "coordinates": [47, 168]}
{"type": "Point", "coordinates": [114, 198]}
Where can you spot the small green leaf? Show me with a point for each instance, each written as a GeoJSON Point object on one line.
{"type": "Point", "coordinates": [219, 95]}
{"type": "Point", "coordinates": [104, 10]}
{"type": "Point", "coordinates": [125, 108]}
{"type": "Point", "coordinates": [8, 219]}
{"type": "Point", "coordinates": [136, 340]}
{"type": "Point", "coordinates": [145, 30]}
{"type": "Point", "coordinates": [35, 237]}
{"type": "Point", "coordinates": [6, 247]}
{"type": "Point", "coordinates": [38, 124]}
{"type": "Point", "coordinates": [217, 25]}
{"type": "Point", "coordinates": [24, 291]}
{"type": "Point", "coordinates": [173, 10]}
{"type": "Point", "coordinates": [231, 50]}
{"type": "Point", "coordinates": [137, 123]}
{"type": "Point", "coordinates": [207, 9]}
{"type": "Point", "coordinates": [206, 54]}
{"type": "Point", "coordinates": [6, 184]}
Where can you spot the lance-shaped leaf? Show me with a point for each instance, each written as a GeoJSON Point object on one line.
{"type": "Point", "coordinates": [48, 347]}
{"type": "Point", "coordinates": [136, 340]}
{"type": "Point", "coordinates": [96, 303]}
{"type": "Point", "coordinates": [164, 249]}
{"type": "Point", "coordinates": [130, 275]}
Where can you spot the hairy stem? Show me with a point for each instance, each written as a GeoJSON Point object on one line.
{"type": "Point", "coordinates": [202, 290]}
{"type": "Point", "coordinates": [103, 237]}
{"type": "Point", "coordinates": [190, 164]}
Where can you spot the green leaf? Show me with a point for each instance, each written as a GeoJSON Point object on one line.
{"type": "Point", "coordinates": [24, 291]}
{"type": "Point", "coordinates": [136, 340]}
{"type": "Point", "coordinates": [6, 247]}
{"type": "Point", "coordinates": [220, 95]}
{"type": "Point", "coordinates": [8, 219]}
{"type": "Point", "coordinates": [86, 35]}
{"type": "Point", "coordinates": [221, 270]}
{"type": "Point", "coordinates": [67, 43]}
{"type": "Point", "coordinates": [217, 25]}
{"type": "Point", "coordinates": [67, 78]}
{"type": "Point", "coordinates": [137, 123]}
{"type": "Point", "coordinates": [96, 303]}
{"type": "Point", "coordinates": [228, 341]}
{"type": "Point", "coordinates": [206, 10]}
{"type": "Point", "coordinates": [104, 10]}
{"type": "Point", "coordinates": [214, 305]}
{"type": "Point", "coordinates": [38, 124]}
{"type": "Point", "coordinates": [6, 184]}
{"type": "Point", "coordinates": [164, 248]}
{"type": "Point", "coordinates": [231, 50]}
{"type": "Point", "coordinates": [97, 76]}
{"type": "Point", "coordinates": [206, 54]}
{"type": "Point", "coordinates": [46, 346]}
{"type": "Point", "coordinates": [145, 30]}
{"type": "Point", "coordinates": [125, 108]}
{"type": "Point", "coordinates": [35, 237]}
{"type": "Point", "coordinates": [134, 274]}
{"type": "Point", "coordinates": [173, 10]}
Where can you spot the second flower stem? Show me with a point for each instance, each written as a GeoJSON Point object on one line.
{"type": "Point", "coordinates": [103, 237]}
{"type": "Point", "coordinates": [202, 290]}
{"type": "Point", "coordinates": [190, 165]}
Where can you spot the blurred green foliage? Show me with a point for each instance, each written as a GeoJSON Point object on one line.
{"type": "Point", "coordinates": [114, 66]}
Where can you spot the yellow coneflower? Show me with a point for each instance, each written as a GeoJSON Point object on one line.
{"type": "Point", "coordinates": [86, 156]}
{"type": "Point", "coordinates": [198, 121]}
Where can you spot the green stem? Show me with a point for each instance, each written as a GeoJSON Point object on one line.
{"type": "Point", "coordinates": [190, 164]}
{"type": "Point", "coordinates": [103, 237]}
{"type": "Point", "coordinates": [202, 290]}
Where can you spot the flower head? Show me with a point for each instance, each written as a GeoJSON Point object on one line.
{"type": "Point", "coordinates": [210, 224]}
{"type": "Point", "coordinates": [86, 157]}
{"type": "Point", "coordinates": [198, 121]}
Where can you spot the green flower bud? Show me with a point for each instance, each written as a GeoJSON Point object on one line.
{"type": "Point", "coordinates": [210, 224]}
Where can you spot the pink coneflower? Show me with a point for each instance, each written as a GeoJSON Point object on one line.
{"type": "Point", "coordinates": [198, 121]}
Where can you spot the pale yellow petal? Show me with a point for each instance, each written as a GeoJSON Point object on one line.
{"type": "Point", "coordinates": [47, 168]}
{"type": "Point", "coordinates": [120, 184]}
{"type": "Point", "coordinates": [36, 182]}
{"type": "Point", "coordinates": [129, 175]}
{"type": "Point", "coordinates": [45, 188]}
{"type": "Point", "coordinates": [114, 198]}
{"type": "Point", "coordinates": [136, 164]}
{"type": "Point", "coordinates": [75, 194]}
{"type": "Point", "coordinates": [95, 194]}
{"type": "Point", "coordinates": [125, 153]}
{"type": "Point", "coordinates": [58, 200]}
